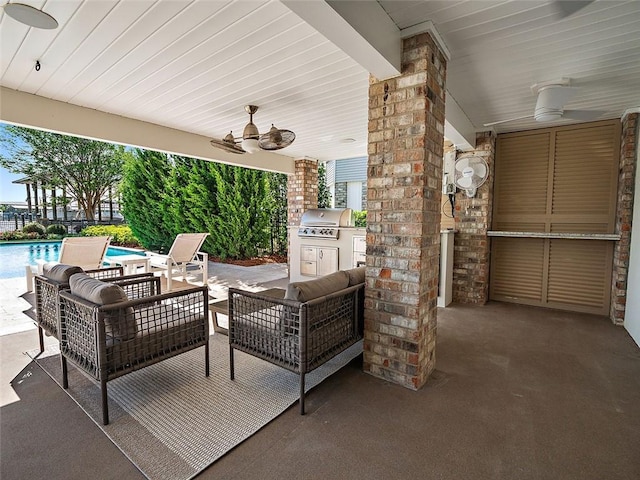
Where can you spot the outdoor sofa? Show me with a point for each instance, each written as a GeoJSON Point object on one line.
{"type": "Point", "coordinates": [314, 322]}
{"type": "Point", "coordinates": [107, 335]}
{"type": "Point", "coordinates": [55, 278]}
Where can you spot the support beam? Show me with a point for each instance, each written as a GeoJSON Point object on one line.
{"type": "Point", "coordinates": [33, 111]}
{"type": "Point", "coordinates": [362, 30]}
{"type": "Point", "coordinates": [457, 127]}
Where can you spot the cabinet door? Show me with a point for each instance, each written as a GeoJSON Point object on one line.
{"type": "Point", "coordinates": [308, 254]}
{"type": "Point", "coordinates": [359, 244]}
{"type": "Point", "coordinates": [327, 260]}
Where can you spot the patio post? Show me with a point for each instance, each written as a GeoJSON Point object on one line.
{"type": "Point", "coordinates": [36, 209]}
{"type": "Point", "coordinates": [44, 201]}
{"type": "Point", "coordinates": [302, 193]}
{"type": "Point", "coordinates": [28, 186]}
{"type": "Point", "coordinates": [406, 141]}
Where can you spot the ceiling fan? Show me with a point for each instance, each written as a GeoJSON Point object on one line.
{"type": "Point", "coordinates": [251, 140]}
{"type": "Point", "coordinates": [552, 96]}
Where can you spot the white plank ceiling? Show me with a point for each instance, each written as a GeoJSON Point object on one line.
{"type": "Point", "coordinates": [193, 65]}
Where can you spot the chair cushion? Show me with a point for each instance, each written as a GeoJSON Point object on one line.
{"type": "Point", "coordinates": [119, 324]}
{"type": "Point", "coordinates": [59, 272]}
{"type": "Point", "coordinates": [305, 291]}
{"type": "Point", "coordinates": [96, 291]}
{"type": "Point", "coordinates": [356, 275]}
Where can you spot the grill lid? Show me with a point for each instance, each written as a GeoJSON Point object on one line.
{"type": "Point", "coordinates": [327, 217]}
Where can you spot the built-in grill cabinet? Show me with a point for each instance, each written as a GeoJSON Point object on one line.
{"type": "Point", "coordinates": [324, 243]}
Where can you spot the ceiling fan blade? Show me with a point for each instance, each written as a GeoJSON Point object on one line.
{"type": "Point", "coordinates": [565, 8]}
{"type": "Point", "coordinates": [583, 114]}
{"type": "Point", "coordinates": [505, 121]}
{"type": "Point", "coordinates": [226, 146]}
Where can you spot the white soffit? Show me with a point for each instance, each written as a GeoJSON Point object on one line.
{"type": "Point", "coordinates": [362, 30]}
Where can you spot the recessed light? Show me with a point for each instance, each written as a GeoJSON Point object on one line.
{"type": "Point", "coordinates": [347, 140]}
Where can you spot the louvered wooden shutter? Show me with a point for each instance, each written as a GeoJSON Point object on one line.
{"type": "Point", "coordinates": [560, 179]}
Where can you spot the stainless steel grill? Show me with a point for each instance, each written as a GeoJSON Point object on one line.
{"type": "Point", "coordinates": [325, 222]}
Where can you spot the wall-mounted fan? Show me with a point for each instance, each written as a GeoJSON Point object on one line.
{"type": "Point", "coordinates": [552, 97]}
{"type": "Point", "coordinates": [470, 173]}
{"type": "Point", "coordinates": [251, 140]}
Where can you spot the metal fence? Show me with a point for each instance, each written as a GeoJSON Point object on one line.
{"type": "Point", "coordinates": [12, 222]}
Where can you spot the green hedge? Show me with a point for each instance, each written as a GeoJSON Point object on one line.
{"type": "Point", "coordinates": [120, 234]}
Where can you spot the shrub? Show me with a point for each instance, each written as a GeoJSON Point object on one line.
{"type": "Point", "coordinates": [34, 227]}
{"type": "Point", "coordinates": [120, 234]}
{"type": "Point", "coordinates": [57, 229]}
{"type": "Point", "coordinates": [15, 235]}
{"type": "Point", "coordinates": [360, 218]}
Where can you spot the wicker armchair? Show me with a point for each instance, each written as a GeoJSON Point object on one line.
{"type": "Point", "coordinates": [55, 278]}
{"type": "Point", "coordinates": [313, 323]}
{"type": "Point", "coordinates": [107, 335]}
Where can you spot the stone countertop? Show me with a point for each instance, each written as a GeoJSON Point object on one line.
{"type": "Point", "coordinates": [573, 236]}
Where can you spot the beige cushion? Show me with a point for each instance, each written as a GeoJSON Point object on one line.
{"type": "Point", "coordinates": [119, 324]}
{"type": "Point", "coordinates": [356, 275]}
{"type": "Point", "coordinates": [60, 272]}
{"type": "Point", "coordinates": [305, 291]}
{"type": "Point", "coordinates": [95, 291]}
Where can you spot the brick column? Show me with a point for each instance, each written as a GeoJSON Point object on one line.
{"type": "Point", "coordinates": [302, 189]}
{"type": "Point", "coordinates": [471, 257]}
{"type": "Point", "coordinates": [624, 214]}
{"type": "Point", "coordinates": [406, 125]}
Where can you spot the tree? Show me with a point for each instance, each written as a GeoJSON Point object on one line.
{"type": "Point", "coordinates": [85, 168]}
{"type": "Point", "coordinates": [145, 201]}
{"type": "Point", "coordinates": [324, 195]}
{"type": "Point", "coordinates": [193, 205]}
{"type": "Point", "coordinates": [242, 227]}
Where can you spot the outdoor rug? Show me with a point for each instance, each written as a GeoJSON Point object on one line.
{"type": "Point", "coordinates": [172, 422]}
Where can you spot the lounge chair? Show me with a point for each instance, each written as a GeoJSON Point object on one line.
{"type": "Point", "coordinates": [85, 252]}
{"type": "Point", "coordinates": [184, 253]}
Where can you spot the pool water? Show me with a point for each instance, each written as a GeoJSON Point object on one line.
{"type": "Point", "coordinates": [14, 256]}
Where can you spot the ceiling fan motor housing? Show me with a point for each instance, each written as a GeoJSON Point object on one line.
{"type": "Point", "coordinates": [551, 101]}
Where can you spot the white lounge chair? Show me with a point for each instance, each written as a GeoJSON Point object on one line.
{"type": "Point", "coordinates": [183, 253]}
{"type": "Point", "coordinates": [85, 252]}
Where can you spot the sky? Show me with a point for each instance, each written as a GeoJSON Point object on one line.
{"type": "Point", "coordinates": [10, 192]}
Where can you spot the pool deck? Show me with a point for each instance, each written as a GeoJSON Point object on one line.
{"type": "Point", "coordinates": [12, 306]}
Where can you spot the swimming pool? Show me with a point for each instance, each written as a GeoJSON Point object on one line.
{"type": "Point", "coordinates": [14, 256]}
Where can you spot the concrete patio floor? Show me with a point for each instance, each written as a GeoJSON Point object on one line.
{"type": "Point", "coordinates": [518, 393]}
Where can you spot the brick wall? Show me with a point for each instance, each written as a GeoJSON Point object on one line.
{"type": "Point", "coordinates": [406, 126]}
{"type": "Point", "coordinates": [302, 189]}
{"type": "Point", "coordinates": [340, 194]}
{"type": "Point", "coordinates": [471, 258]}
{"type": "Point", "coordinates": [364, 195]}
{"type": "Point", "coordinates": [624, 214]}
